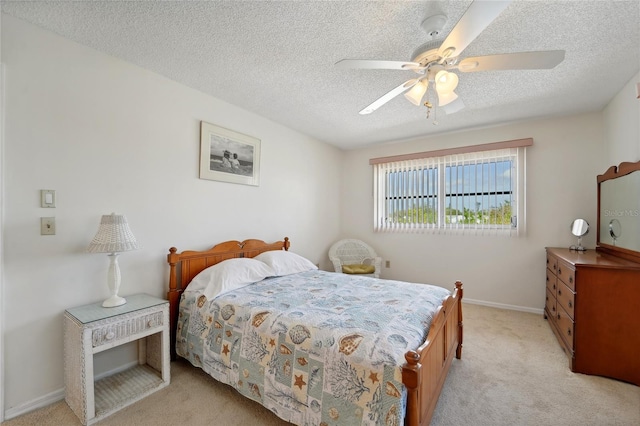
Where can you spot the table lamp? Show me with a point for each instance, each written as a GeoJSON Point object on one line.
{"type": "Point", "coordinates": [113, 237]}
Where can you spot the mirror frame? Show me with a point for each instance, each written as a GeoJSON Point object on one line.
{"type": "Point", "coordinates": [615, 172]}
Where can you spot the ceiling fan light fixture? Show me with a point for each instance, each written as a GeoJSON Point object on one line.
{"type": "Point", "coordinates": [416, 93]}
{"type": "Point", "coordinates": [446, 82]}
{"type": "Point", "coordinates": [446, 98]}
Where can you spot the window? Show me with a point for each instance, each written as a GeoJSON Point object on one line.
{"type": "Point", "coordinates": [480, 189]}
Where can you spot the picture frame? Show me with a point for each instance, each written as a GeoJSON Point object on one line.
{"type": "Point", "coordinates": [228, 156]}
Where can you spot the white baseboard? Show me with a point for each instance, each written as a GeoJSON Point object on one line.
{"type": "Point", "coordinates": [503, 306]}
{"type": "Point", "coordinates": [34, 404]}
{"type": "Point", "coordinates": [55, 396]}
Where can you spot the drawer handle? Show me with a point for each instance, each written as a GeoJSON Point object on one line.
{"type": "Point", "coordinates": [554, 267]}
{"type": "Point", "coordinates": [569, 331]}
{"type": "Point", "coordinates": [559, 270]}
{"type": "Point", "coordinates": [546, 298]}
{"type": "Point", "coordinates": [570, 280]}
{"type": "Point", "coordinates": [547, 279]}
{"type": "Point", "coordinates": [110, 335]}
{"type": "Point", "coordinates": [558, 316]}
{"type": "Point", "coordinates": [554, 286]}
{"type": "Point", "coordinates": [559, 292]}
{"type": "Point", "coordinates": [553, 309]}
{"type": "Point", "coordinates": [570, 304]}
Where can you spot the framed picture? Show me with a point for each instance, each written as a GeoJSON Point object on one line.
{"type": "Point", "coordinates": [228, 156]}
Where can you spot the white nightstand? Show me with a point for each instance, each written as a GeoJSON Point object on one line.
{"type": "Point", "coordinates": [91, 329]}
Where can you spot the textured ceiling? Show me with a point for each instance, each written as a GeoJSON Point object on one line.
{"type": "Point", "coordinates": [277, 58]}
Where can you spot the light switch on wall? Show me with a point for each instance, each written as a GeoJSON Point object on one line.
{"type": "Point", "coordinates": [47, 198]}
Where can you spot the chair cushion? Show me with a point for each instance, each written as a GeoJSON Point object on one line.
{"type": "Point", "coordinates": [358, 269]}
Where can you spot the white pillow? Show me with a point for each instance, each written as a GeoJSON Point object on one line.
{"type": "Point", "coordinates": [229, 275]}
{"type": "Point", "coordinates": [285, 262]}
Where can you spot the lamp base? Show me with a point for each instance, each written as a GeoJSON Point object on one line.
{"type": "Point", "coordinates": [114, 301]}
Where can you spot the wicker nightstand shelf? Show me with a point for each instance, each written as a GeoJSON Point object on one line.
{"type": "Point", "coordinates": [91, 329]}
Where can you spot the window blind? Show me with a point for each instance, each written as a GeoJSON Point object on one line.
{"type": "Point", "coordinates": [480, 192]}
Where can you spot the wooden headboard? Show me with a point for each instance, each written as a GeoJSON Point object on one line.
{"type": "Point", "coordinates": [186, 265]}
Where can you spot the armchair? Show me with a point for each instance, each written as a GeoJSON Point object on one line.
{"type": "Point", "coordinates": [352, 256]}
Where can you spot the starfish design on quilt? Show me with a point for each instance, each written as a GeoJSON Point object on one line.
{"type": "Point", "coordinates": [272, 342]}
{"type": "Point", "coordinates": [299, 381]}
{"type": "Point", "coordinates": [373, 377]}
{"type": "Point", "coordinates": [225, 349]}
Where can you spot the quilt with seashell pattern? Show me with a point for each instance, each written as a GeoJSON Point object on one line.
{"type": "Point", "coordinates": [316, 348]}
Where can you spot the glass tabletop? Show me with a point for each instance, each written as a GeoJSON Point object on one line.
{"type": "Point", "coordinates": [95, 312]}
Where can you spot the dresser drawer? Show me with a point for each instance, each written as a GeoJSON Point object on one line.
{"type": "Point", "coordinates": [551, 282]}
{"type": "Point", "coordinates": [550, 305]}
{"type": "Point", "coordinates": [565, 326]}
{"type": "Point", "coordinates": [552, 263]}
{"type": "Point", "coordinates": [567, 274]}
{"type": "Point", "coordinates": [566, 298]}
{"type": "Point", "coordinates": [116, 331]}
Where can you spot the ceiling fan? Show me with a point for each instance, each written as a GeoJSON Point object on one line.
{"type": "Point", "coordinates": [435, 60]}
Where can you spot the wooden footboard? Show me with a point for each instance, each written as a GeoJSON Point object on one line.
{"type": "Point", "coordinates": [426, 368]}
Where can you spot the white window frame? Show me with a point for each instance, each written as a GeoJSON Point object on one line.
{"type": "Point", "coordinates": [413, 192]}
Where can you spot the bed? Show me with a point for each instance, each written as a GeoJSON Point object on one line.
{"type": "Point", "coordinates": [301, 343]}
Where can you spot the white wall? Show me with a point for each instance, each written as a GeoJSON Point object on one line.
{"type": "Point", "coordinates": [1, 231]}
{"type": "Point", "coordinates": [111, 137]}
{"type": "Point", "coordinates": [561, 186]}
{"type": "Point", "coordinates": [622, 126]}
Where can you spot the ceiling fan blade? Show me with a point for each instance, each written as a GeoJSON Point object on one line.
{"type": "Point", "coordinates": [513, 61]}
{"type": "Point", "coordinates": [476, 18]}
{"type": "Point", "coordinates": [372, 64]}
{"type": "Point", "coordinates": [388, 96]}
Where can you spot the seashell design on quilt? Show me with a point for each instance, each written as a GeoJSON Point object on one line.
{"type": "Point", "coordinates": [391, 390]}
{"type": "Point", "coordinates": [392, 416]}
{"type": "Point", "coordinates": [201, 301]}
{"type": "Point", "coordinates": [227, 311]}
{"type": "Point", "coordinates": [349, 343]}
{"type": "Point", "coordinates": [286, 368]}
{"type": "Point", "coordinates": [284, 349]}
{"type": "Point", "coordinates": [299, 334]}
{"type": "Point", "coordinates": [259, 318]}
{"type": "Point", "coordinates": [334, 413]}
{"type": "Point", "coordinates": [254, 389]}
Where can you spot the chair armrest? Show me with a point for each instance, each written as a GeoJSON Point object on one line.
{"type": "Point", "coordinates": [337, 264]}
{"type": "Point", "coordinates": [378, 264]}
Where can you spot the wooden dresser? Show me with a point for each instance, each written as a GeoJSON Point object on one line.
{"type": "Point", "coordinates": [593, 307]}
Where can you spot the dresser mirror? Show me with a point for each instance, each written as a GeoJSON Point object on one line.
{"type": "Point", "coordinates": [619, 211]}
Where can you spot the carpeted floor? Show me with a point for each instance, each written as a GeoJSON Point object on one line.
{"type": "Point", "coordinates": [512, 372]}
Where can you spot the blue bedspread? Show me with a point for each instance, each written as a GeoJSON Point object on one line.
{"type": "Point", "coordinates": [316, 348]}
